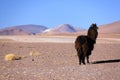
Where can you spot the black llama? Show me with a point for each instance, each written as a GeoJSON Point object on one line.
{"type": "Point", "coordinates": [84, 44]}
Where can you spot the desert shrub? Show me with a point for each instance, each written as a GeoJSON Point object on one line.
{"type": "Point", "coordinates": [10, 57]}
{"type": "Point", "coordinates": [34, 53]}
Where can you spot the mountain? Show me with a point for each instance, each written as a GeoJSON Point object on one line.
{"type": "Point", "coordinates": [23, 29]}
{"type": "Point", "coordinates": [12, 31]}
{"type": "Point", "coordinates": [60, 29]}
{"type": "Point", "coordinates": [63, 28]}
{"type": "Point", "coordinates": [110, 28]}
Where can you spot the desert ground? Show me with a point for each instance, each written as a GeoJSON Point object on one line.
{"type": "Point", "coordinates": [55, 58]}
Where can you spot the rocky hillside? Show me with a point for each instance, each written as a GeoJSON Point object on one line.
{"type": "Point", "coordinates": [110, 28]}
{"type": "Point", "coordinates": [23, 29]}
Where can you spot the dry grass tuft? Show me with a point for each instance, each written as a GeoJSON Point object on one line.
{"type": "Point", "coordinates": [10, 57]}
{"type": "Point", "coordinates": [34, 53]}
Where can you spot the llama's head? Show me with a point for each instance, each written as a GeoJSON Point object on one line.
{"type": "Point", "coordinates": [92, 32]}
{"type": "Point", "coordinates": [94, 26]}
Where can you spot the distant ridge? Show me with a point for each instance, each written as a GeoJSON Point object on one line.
{"type": "Point", "coordinates": [23, 30]}
{"type": "Point", "coordinates": [110, 28]}
{"type": "Point", "coordinates": [30, 29]}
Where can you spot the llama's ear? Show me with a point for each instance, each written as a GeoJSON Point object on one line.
{"type": "Point", "coordinates": [95, 24]}
{"type": "Point", "coordinates": [92, 25]}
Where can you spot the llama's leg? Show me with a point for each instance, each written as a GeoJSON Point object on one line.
{"type": "Point", "coordinates": [83, 59]}
{"type": "Point", "coordinates": [83, 56]}
{"type": "Point", "coordinates": [88, 59]}
{"type": "Point", "coordinates": [79, 55]}
{"type": "Point", "coordinates": [80, 60]}
{"type": "Point", "coordinates": [88, 54]}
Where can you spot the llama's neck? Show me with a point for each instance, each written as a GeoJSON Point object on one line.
{"type": "Point", "coordinates": [92, 34]}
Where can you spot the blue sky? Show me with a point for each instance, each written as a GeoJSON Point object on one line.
{"type": "Point", "coordinates": [51, 13]}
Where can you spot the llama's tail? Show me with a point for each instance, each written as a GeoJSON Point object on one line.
{"type": "Point", "coordinates": [80, 51]}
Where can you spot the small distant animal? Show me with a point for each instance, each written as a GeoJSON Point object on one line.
{"type": "Point", "coordinates": [84, 44]}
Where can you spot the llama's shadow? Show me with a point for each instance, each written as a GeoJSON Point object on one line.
{"type": "Point", "coordinates": [106, 61]}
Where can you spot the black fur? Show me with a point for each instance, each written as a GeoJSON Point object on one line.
{"type": "Point", "coordinates": [84, 44]}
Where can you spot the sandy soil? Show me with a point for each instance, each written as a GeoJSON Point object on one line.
{"type": "Point", "coordinates": [57, 59]}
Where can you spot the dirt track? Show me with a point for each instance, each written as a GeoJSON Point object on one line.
{"type": "Point", "coordinates": [58, 61]}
